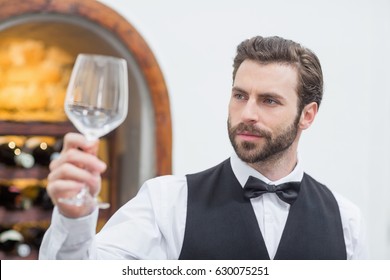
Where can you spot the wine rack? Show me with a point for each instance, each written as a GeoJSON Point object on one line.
{"type": "Point", "coordinates": [32, 220]}
{"type": "Point", "coordinates": [34, 32]}
{"type": "Point", "coordinates": [16, 220]}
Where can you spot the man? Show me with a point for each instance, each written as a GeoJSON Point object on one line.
{"type": "Point", "coordinates": [225, 212]}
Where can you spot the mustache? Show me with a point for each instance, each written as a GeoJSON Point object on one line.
{"type": "Point", "coordinates": [252, 129]}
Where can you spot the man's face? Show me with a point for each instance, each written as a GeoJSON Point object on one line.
{"type": "Point", "coordinates": [263, 111]}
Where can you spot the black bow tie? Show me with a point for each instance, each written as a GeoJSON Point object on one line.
{"type": "Point", "coordinates": [288, 192]}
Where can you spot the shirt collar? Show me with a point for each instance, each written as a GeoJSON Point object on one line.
{"type": "Point", "coordinates": [242, 171]}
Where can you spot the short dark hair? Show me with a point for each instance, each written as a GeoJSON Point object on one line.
{"type": "Point", "coordinates": [279, 50]}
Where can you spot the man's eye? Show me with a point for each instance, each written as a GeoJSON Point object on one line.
{"type": "Point", "coordinates": [239, 96]}
{"type": "Point", "coordinates": [270, 101]}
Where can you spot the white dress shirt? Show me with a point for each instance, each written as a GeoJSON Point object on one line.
{"type": "Point", "coordinates": [152, 224]}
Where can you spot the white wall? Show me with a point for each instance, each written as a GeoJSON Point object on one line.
{"type": "Point", "coordinates": [348, 146]}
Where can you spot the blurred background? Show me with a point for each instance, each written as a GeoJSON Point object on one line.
{"type": "Point", "coordinates": [193, 43]}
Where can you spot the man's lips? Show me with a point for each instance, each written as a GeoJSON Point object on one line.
{"type": "Point", "coordinates": [249, 136]}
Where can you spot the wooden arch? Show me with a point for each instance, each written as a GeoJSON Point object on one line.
{"type": "Point", "coordinates": [109, 19]}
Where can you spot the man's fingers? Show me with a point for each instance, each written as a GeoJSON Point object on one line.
{"type": "Point", "coordinates": [63, 189]}
{"type": "Point", "coordinates": [78, 141]}
{"type": "Point", "coordinates": [81, 159]}
{"type": "Point", "coordinates": [69, 171]}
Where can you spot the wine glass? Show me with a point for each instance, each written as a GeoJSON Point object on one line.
{"type": "Point", "coordinates": [96, 103]}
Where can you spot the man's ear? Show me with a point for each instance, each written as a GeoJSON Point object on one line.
{"type": "Point", "coordinates": [308, 115]}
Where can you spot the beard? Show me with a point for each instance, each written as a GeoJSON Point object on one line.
{"type": "Point", "coordinates": [274, 145]}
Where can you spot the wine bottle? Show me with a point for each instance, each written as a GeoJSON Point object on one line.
{"type": "Point", "coordinates": [24, 160]}
{"type": "Point", "coordinates": [37, 195]}
{"type": "Point", "coordinates": [42, 154]}
{"type": "Point", "coordinates": [12, 155]}
{"type": "Point", "coordinates": [11, 197]}
{"type": "Point", "coordinates": [12, 242]}
{"type": "Point", "coordinates": [32, 231]}
{"type": "Point", "coordinates": [41, 148]}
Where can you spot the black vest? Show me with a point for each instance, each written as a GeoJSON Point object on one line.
{"type": "Point", "coordinates": [221, 223]}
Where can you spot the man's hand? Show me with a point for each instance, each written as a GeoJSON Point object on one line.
{"type": "Point", "coordinates": [76, 167]}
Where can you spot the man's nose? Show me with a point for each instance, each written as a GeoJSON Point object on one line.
{"type": "Point", "coordinates": [250, 112]}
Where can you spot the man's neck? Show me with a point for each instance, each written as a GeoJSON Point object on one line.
{"type": "Point", "coordinates": [278, 166]}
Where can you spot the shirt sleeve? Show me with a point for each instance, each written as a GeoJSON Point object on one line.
{"type": "Point", "coordinates": [149, 226]}
{"type": "Point", "coordinates": [69, 238]}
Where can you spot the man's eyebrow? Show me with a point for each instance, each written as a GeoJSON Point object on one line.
{"type": "Point", "coordinates": [263, 95]}
{"type": "Point", "coordinates": [271, 95]}
{"type": "Point", "coordinates": [236, 88]}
